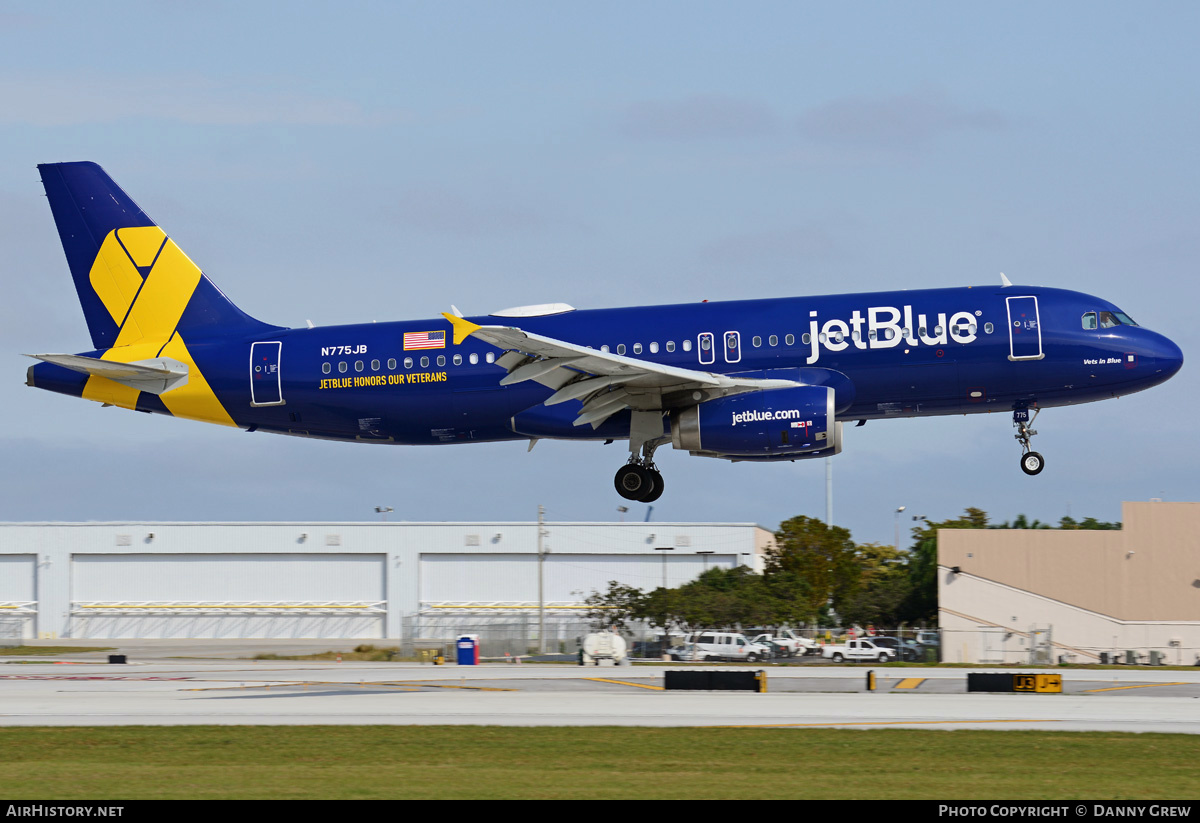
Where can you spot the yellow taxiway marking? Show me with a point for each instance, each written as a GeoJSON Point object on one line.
{"type": "Point", "coordinates": [880, 723]}
{"type": "Point", "coordinates": [910, 682]}
{"type": "Point", "coordinates": [624, 683]}
{"type": "Point", "coordinates": [1146, 686]}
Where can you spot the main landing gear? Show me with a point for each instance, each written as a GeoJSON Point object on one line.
{"type": "Point", "coordinates": [639, 480]}
{"type": "Point", "coordinates": [1031, 462]}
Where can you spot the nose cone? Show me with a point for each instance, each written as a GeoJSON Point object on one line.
{"type": "Point", "coordinates": [1167, 357]}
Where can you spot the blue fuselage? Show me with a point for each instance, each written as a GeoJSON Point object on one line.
{"type": "Point", "coordinates": [890, 354]}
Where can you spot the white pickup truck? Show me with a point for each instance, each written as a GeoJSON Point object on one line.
{"type": "Point", "coordinates": [858, 650]}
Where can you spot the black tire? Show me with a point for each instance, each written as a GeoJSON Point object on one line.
{"type": "Point", "coordinates": [656, 487]}
{"type": "Point", "coordinates": [1032, 463]}
{"type": "Point", "coordinates": [752, 658]}
{"type": "Point", "coordinates": [884, 657]}
{"type": "Point", "coordinates": [837, 657]}
{"type": "Point", "coordinates": [632, 481]}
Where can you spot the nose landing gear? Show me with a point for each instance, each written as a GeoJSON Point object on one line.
{"type": "Point", "coordinates": [1031, 462]}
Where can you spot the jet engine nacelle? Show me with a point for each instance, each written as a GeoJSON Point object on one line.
{"type": "Point", "coordinates": [784, 424]}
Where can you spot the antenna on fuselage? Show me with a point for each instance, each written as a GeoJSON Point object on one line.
{"type": "Point", "coordinates": [1004, 281]}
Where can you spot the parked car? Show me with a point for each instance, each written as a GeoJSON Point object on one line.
{"type": "Point", "coordinates": [789, 641]}
{"type": "Point", "coordinates": [905, 649]}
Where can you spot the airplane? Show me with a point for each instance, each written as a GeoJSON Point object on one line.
{"type": "Point", "coordinates": [748, 380]}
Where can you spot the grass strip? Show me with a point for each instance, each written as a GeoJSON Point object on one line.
{"type": "Point", "coordinates": [403, 762]}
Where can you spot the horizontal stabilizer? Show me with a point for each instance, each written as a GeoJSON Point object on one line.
{"type": "Point", "coordinates": [156, 376]}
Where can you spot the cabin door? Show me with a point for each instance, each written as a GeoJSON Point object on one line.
{"type": "Point", "coordinates": [1024, 329]}
{"type": "Point", "coordinates": [266, 385]}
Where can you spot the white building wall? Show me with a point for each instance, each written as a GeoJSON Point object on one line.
{"type": "Point", "coordinates": [69, 568]}
{"type": "Point", "coordinates": [988, 622]}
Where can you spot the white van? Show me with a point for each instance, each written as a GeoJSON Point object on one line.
{"type": "Point", "coordinates": [721, 646]}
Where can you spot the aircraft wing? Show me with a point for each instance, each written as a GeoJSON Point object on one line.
{"type": "Point", "coordinates": [606, 383]}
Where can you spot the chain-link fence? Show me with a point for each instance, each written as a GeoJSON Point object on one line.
{"type": "Point", "coordinates": [1041, 646]}
{"type": "Point", "coordinates": [11, 633]}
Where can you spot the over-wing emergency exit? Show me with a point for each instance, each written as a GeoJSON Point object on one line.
{"type": "Point", "coordinates": [760, 380]}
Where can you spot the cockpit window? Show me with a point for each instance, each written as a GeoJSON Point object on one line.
{"type": "Point", "coordinates": [1125, 319]}
{"type": "Point", "coordinates": [1089, 320]}
{"type": "Point", "coordinates": [1107, 320]}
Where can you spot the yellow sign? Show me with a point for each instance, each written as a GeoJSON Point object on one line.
{"type": "Point", "coordinates": [1043, 683]}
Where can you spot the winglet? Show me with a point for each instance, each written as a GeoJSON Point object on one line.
{"type": "Point", "coordinates": [462, 328]}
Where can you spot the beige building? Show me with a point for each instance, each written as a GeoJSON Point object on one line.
{"type": "Point", "coordinates": [1028, 595]}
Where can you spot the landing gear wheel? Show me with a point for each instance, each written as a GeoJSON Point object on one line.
{"type": "Point", "coordinates": [632, 482]}
{"type": "Point", "coordinates": [656, 487]}
{"type": "Point", "coordinates": [1032, 463]}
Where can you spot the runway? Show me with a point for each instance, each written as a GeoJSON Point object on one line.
{"type": "Point", "coordinates": [77, 691]}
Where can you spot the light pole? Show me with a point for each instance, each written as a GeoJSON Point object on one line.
{"type": "Point", "coordinates": [541, 553]}
{"type": "Point", "coordinates": [902, 508]}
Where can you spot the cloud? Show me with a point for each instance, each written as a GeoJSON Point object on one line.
{"type": "Point", "coordinates": [194, 99]}
{"type": "Point", "coordinates": [696, 118]}
{"type": "Point", "coordinates": [906, 121]}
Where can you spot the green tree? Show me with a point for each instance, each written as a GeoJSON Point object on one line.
{"type": "Point", "coordinates": [617, 606]}
{"type": "Point", "coordinates": [824, 557]}
{"type": "Point", "coordinates": [921, 603]}
{"type": "Point", "coordinates": [885, 586]}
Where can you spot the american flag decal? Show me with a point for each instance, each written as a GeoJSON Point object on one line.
{"type": "Point", "coordinates": [424, 340]}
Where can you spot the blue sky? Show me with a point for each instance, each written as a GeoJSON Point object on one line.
{"type": "Point", "coordinates": [375, 161]}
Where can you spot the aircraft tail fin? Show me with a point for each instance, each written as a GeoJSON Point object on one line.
{"type": "Point", "coordinates": [134, 283]}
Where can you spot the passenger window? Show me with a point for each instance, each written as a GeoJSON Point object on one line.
{"type": "Point", "coordinates": [391, 364]}
{"type": "Point", "coordinates": [620, 348]}
{"type": "Point", "coordinates": [474, 358]}
{"type": "Point", "coordinates": [342, 367]}
{"type": "Point", "coordinates": [1089, 320]}
{"type": "Point", "coordinates": [374, 365]}
{"type": "Point", "coordinates": [637, 348]}
{"type": "Point", "coordinates": [408, 362]}
{"type": "Point", "coordinates": [773, 340]}
{"type": "Point", "coordinates": [424, 362]}
{"type": "Point", "coordinates": [654, 348]}
{"type": "Point", "coordinates": [458, 359]}
{"type": "Point", "coordinates": [790, 340]}
{"type": "Point", "coordinates": [988, 328]}
{"type": "Point", "coordinates": [756, 341]}
{"type": "Point", "coordinates": [670, 345]}
{"type": "Point", "coordinates": [358, 365]}
{"type": "Point", "coordinates": [441, 359]}
{"type": "Point", "coordinates": [604, 348]}
{"type": "Point", "coordinates": [326, 368]}
{"type": "Point", "coordinates": [687, 345]}
{"type": "Point", "coordinates": [491, 357]}
{"type": "Point", "coordinates": [806, 339]}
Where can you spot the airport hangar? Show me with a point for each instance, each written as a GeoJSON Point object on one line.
{"type": "Point", "coordinates": [378, 580]}
{"type": "Point", "coordinates": [1082, 596]}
